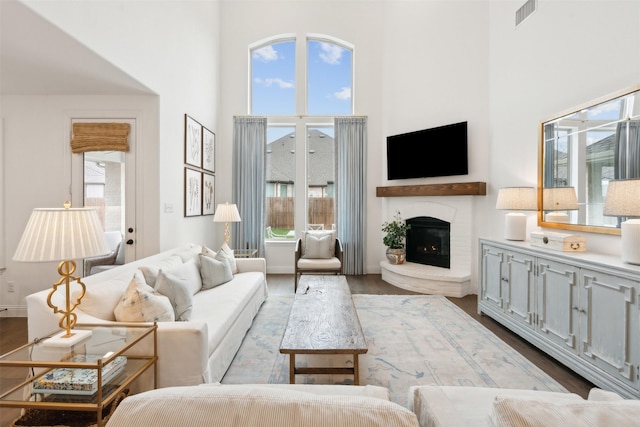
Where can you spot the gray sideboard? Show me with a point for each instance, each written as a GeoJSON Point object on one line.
{"type": "Point", "coordinates": [580, 308]}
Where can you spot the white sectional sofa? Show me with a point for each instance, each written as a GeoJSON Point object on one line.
{"type": "Point", "coordinates": [263, 405]}
{"type": "Point", "coordinates": [458, 406]}
{"type": "Point", "coordinates": [190, 352]}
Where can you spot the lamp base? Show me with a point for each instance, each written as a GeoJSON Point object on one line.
{"type": "Point", "coordinates": [630, 234]}
{"type": "Point", "coordinates": [515, 226]}
{"type": "Point", "coordinates": [62, 340]}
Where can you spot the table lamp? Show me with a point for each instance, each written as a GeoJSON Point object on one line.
{"type": "Point", "coordinates": [623, 199]}
{"type": "Point", "coordinates": [227, 213]}
{"type": "Point", "coordinates": [557, 199]}
{"type": "Point", "coordinates": [63, 235]}
{"type": "Point", "coordinates": [516, 199]}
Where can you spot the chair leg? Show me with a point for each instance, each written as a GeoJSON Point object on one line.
{"type": "Point", "coordinates": [295, 283]}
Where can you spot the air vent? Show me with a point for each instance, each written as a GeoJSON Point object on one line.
{"type": "Point", "coordinates": [525, 11]}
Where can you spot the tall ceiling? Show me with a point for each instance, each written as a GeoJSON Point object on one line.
{"type": "Point", "coordinates": [37, 57]}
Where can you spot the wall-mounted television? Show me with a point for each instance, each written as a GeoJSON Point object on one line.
{"type": "Point", "coordinates": [439, 151]}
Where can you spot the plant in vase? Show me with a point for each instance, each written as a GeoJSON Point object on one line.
{"type": "Point", "coordinates": [394, 240]}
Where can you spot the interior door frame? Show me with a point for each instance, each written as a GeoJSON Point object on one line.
{"type": "Point", "coordinates": [76, 171]}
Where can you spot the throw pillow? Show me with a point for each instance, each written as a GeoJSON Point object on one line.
{"type": "Point", "coordinates": [208, 252]}
{"type": "Point", "coordinates": [140, 303]}
{"type": "Point", "coordinates": [151, 271]}
{"type": "Point", "coordinates": [100, 300]}
{"type": "Point", "coordinates": [180, 284]}
{"type": "Point", "coordinates": [226, 252]}
{"type": "Point", "coordinates": [214, 272]}
{"type": "Point", "coordinates": [319, 245]}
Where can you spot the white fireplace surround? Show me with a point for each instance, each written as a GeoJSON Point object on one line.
{"type": "Point", "coordinates": [427, 279]}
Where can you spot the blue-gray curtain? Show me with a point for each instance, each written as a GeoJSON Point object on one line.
{"type": "Point", "coordinates": [249, 146]}
{"type": "Point", "coordinates": [351, 190]}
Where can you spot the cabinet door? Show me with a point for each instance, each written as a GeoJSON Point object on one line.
{"type": "Point", "coordinates": [519, 285]}
{"type": "Point", "coordinates": [609, 324]}
{"type": "Point", "coordinates": [557, 293]}
{"type": "Point", "coordinates": [491, 280]}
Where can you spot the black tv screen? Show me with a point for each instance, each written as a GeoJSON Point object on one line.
{"type": "Point", "coordinates": [439, 151]}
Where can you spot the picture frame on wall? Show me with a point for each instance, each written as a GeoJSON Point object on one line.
{"type": "Point", "coordinates": [208, 194]}
{"type": "Point", "coordinates": [192, 192]}
{"type": "Point", "coordinates": [208, 150]}
{"type": "Point", "coordinates": [192, 142]}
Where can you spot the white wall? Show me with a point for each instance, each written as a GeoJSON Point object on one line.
{"type": "Point", "coordinates": [170, 47]}
{"type": "Point", "coordinates": [417, 64]}
{"type": "Point", "coordinates": [565, 54]}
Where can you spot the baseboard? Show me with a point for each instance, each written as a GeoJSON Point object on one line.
{"type": "Point", "coordinates": [13, 311]}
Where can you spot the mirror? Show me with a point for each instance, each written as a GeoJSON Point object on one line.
{"type": "Point", "coordinates": [582, 150]}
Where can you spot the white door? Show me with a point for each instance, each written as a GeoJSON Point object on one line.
{"type": "Point", "coordinates": [106, 180]}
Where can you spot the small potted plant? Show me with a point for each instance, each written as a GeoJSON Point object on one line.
{"type": "Point", "coordinates": [394, 240]}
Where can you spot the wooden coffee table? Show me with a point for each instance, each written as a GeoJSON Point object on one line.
{"type": "Point", "coordinates": [323, 320]}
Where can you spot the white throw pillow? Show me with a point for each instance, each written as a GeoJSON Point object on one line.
{"type": "Point", "coordinates": [226, 252]}
{"type": "Point", "coordinates": [151, 271]}
{"type": "Point", "coordinates": [208, 252]}
{"type": "Point", "coordinates": [319, 245]}
{"type": "Point", "coordinates": [214, 272]}
{"type": "Point", "coordinates": [140, 303]}
{"type": "Point", "coordinates": [99, 300]}
{"type": "Point", "coordinates": [180, 284]}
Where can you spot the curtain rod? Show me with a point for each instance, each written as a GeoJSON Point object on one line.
{"type": "Point", "coordinates": [299, 116]}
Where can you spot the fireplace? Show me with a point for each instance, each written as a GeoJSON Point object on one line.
{"type": "Point", "coordinates": [428, 241]}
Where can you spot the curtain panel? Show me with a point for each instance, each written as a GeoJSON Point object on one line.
{"type": "Point", "coordinates": [100, 137]}
{"type": "Point", "coordinates": [249, 158]}
{"type": "Point", "coordinates": [351, 190]}
{"type": "Point", "coordinates": [627, 150]}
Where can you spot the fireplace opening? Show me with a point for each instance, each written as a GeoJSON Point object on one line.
{"type": "Point", "coordinates": [428, 241]}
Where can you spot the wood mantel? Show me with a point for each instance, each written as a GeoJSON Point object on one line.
{"type": "Point", "coordinates": [453, 189]}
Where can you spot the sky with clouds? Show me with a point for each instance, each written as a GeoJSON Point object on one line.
{"type": "Point", "coordinates": [274, 81]}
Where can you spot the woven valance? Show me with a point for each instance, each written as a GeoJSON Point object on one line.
{"type": "Point", "coordinates": [100, 137]}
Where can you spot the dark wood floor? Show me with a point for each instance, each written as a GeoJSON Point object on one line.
{"type": "Point", "coordinates": [13, 333]}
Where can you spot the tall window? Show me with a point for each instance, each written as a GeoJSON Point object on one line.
{"type": "Point", "coordinates": [300, 147]}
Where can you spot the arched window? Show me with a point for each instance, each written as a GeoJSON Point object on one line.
{"type": "Point", "coordinates": [300, 84]}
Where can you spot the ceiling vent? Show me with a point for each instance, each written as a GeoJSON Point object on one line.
{"type": "Point", "coordinates": [525, 11]}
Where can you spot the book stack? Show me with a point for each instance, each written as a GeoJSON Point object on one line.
{"type": "Point", "coordinates": [82, 381]}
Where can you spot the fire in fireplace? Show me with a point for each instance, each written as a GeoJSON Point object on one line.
{"type": "Point", "coordinates": [428, 241]}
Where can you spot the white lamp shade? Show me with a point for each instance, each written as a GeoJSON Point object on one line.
{"type": "Point", "coordinates": [559, 199]}
{"type": "Point", "coordinates": [517, 199]}
{"type": "Point", "coordinates": [623, 198]}
{"type": "Point", "coordinates": [226, 213]}
{"type": "Point", "coordinates": [60, 235]}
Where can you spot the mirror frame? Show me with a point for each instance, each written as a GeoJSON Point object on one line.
{"type": "Point", "coordinates": [560, 225]}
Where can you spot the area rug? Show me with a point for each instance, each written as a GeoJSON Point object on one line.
{"type": "Point", "coordinates": [412, 340]}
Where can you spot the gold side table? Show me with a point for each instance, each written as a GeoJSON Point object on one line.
{"type": "Point", "coordinates": [245, 253]}
{"type": "Point", "coordinates": [135, 341]}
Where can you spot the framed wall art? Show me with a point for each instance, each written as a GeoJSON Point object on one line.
{"type": "Point", "coordinates": [208, 150]}
{"type": "Point", "coordinates": [192, 192]}
{"type": "Point", "coordinates": [208, 194]}
{"type": "Point", "coordinates": [192, 142]}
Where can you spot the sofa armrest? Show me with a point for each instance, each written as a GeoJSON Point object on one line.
{"type": "Point", "coordinates": [252, 264]}
{"type": "Point", "coordinates": [183, 353]}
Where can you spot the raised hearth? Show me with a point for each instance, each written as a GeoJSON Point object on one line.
{"type": "Point", "coordinates": [426, 279]}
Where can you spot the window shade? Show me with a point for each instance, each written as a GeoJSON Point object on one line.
{"type": "Point", "coordinates": [100, 137]}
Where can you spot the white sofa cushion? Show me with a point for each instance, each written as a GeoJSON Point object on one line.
{"type": "Point", "coordinates": [141, 303]}
{"type": "Point", "coordinates": [100, 301]}
{"type": "Point", "coordinates": [248, 406]}
{"type": "Point", "coordinates": [151, 271]}
{"type": "Point", "coordinates": [214, 272]}
{"type": "Point", "coordinates": [457, 406]}
{"type": "Point", "coordinates": [226, 253]}
{"type": "Point", "coordinates": [531, 412]}
{"type": "Point", "coordinates": [180, 284]}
